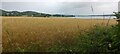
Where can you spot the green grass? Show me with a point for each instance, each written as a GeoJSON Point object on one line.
{"type": "Point", "coordinates": [100, 40]}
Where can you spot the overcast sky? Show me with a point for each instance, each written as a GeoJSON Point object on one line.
{"type": "Point", "coordinates": [60, 0]}
{"type": "Point", "coordinates": [62, 6]}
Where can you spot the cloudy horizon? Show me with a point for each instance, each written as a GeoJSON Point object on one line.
{"type": "Point", "coordinates": [60, 0]}
{"type": "Point", "coordinates": [69, 8]}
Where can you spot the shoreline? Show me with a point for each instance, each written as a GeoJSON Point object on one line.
{"type": "Point", "coordinates": [93, 18]}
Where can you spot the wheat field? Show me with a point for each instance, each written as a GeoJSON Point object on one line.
{"type": "Point", "coordinates": [24, 32]}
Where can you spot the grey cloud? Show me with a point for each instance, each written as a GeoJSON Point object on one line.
{"type": "Point", "coordinates": [62, 7]}
{"type": "Point", "coordinates": [59, 0]}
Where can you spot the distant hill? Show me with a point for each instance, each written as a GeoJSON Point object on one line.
{"type": "Point", "coordinates": [31, 14]}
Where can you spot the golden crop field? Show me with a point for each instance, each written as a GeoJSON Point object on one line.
{"type": "Point", "coordinates": [25, 32]}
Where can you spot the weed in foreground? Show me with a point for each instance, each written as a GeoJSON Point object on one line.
{"type": "Point", "coordinates": [98, 40]}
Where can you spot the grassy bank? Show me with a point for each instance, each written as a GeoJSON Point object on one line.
{"type": "Point", "coordinates": [99, 40]}
{"type": "Point", "coordinates": [50, 34]}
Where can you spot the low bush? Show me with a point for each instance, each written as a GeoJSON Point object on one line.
{"type": "Point", "coordinates": [102, 40]}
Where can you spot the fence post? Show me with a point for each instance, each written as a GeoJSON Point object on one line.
{"type": "Point", "coordinates": [118, 19]}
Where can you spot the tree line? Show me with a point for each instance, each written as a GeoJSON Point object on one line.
{"type": "Point", "coordinates": [31, 14]}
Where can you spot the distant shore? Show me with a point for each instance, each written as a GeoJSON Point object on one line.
{"type": "Point", "coordinates": [59, 17]}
